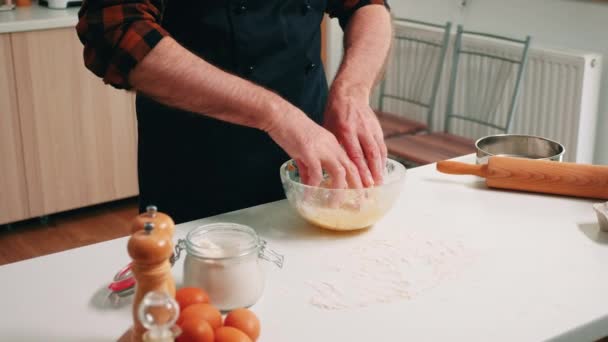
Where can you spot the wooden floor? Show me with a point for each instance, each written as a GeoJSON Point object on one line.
{"type": "Point", "coordinates": [77, 228]}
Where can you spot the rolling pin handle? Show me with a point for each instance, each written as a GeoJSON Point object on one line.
{"type": "Point", "coordinates": [458, 168]}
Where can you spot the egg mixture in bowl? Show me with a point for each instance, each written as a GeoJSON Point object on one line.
{"type": "Point", "coordinates": [342, 209]}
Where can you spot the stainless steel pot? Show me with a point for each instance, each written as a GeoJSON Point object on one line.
{"type": "Point", "coordinates": [516, 145]}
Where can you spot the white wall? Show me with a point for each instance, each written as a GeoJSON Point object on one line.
{"type": "Point", "coordinates": [575, 24]}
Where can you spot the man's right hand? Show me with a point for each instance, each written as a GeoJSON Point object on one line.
{"type": "Point", "coordinates": [314, 149]}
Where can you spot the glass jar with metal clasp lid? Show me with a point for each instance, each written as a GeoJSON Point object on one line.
{"type": "Point", "coordinates": [224, 260]}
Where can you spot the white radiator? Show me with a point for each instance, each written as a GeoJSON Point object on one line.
{"type": "Point", "coordinates": [558, 97]}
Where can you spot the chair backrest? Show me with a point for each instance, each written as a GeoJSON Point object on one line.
{"type": "Point", "coordinates": [414, 71]}
{"type": "Point", "coordinates": [485, 79]}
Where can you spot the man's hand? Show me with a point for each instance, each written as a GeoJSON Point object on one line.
{"type": "Point", "coordinates": [230, 98]}
{"type": "Point", "coordinates": [314, 149]}
{"type": "Point", "coordinates": [349, 117]}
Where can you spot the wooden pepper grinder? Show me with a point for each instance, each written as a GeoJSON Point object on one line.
{"type": "Point", "coordinates": [162, 222]}
{"type": "Point", "coordinates": [150, 250]}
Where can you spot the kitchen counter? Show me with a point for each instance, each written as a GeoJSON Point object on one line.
{"type": "Point", "coordinates": [536, 270]}
{"type": "Point", "coordinates": [37, 17]}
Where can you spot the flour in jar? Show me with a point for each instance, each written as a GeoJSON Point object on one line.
{"type": "Point", "coordinates": [231, 280]}
{"type": "Point", "coordinates": [385, 270]}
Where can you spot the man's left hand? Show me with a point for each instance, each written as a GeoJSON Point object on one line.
{"type": "Point", "coordinates": [350, 118]}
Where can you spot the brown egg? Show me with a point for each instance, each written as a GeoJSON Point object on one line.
{"type": "Point", "coordinates": [244, 320]}
{"type": "Point", "coordinates": [204, 311]}
{"type": "Point", "coordinates": [196, 330]}
{"type": "Point", "coordinates": [230, 334]}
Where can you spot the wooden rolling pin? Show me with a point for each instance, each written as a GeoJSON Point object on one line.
{"type": "Point", "coordinates": [570, 179]}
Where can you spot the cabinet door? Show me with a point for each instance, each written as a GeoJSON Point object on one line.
{"type": "Point", "coordinates": [79, 135]}
{"type": "Point", "coordinates": [13, 190]}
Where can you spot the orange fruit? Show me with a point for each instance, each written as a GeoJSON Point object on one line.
{"type": "Point", "coordinates": [230, 334]}
{"type": "Point", "coordinates": [244, 320]}
{"type": "Point", "coordinates": [187, 296]}
{"type": "Point", "coordinates": [203, 311]}
{"type": "Point", "coordinates": [196, 330]}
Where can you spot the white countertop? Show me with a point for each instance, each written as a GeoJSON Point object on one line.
{"type": "Point", "coordinates": [37, 17]}
{"type": "Point", "coordinates": [537, 272]}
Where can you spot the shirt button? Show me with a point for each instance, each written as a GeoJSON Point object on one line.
{"type": "Point", "coordinates": [240, 8]}
{"type": "Point", "coordinates": [306, 8]}
{"type": "Point", "coordinates": [310, 67]}
{"type": "Point", "coordinates": [249, 71]}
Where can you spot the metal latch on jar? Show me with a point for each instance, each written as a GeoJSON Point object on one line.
{"type": "Point", "coordinates": [263, 253]}
{"type": "Point", "coordinates": [270, 255]}
{"type": "Point", "coordinates": [179, 247]}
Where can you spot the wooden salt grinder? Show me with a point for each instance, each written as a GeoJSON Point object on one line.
{"type": "Point", "coordinates": [150, 251]}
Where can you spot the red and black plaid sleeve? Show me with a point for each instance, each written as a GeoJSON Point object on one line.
{"type": "Point", "coordinates": [117, 34]}
{"type": "Point", "coordinates": [344, 9]}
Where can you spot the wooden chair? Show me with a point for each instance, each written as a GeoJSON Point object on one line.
{"type": "Point", "coordinates": [413, 75]}
{"type": "Point", "coordinates": [483, 91]}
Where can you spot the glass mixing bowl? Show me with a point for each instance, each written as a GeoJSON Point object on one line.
{"type": "Point", "coordinates": [343, 209]}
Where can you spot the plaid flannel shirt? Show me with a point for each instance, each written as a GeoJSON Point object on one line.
{"type": "Point", "coordinates": [117, 34]}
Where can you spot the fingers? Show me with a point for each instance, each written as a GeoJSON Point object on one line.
{"type": "Point", "coordinates": [338, 177]}
{"type": "Point", "coordinates": [373, 155]}
{"type": "Point", "coordinates": [315, 172]}
{"type": "Point", "coordinates": [305, 179]}
{"type": "Point", "coordinates": [383, 151]}
{"type": "Point", "coordinates": [352, 173]}
{"type": "Point", "coordinates": [379, 137]}
{"type": "Point", "coordinates": [323, 152]}
{"type": "Point", "coordinates": [383, 154]}
{"type": "Point", "coordinates": [343, 172]}
{"type": "Point", "coordinates": [303, 170]}
{"type": "Point", "coordinates": [337, 173]}
{"type": "Point", "coordinates": [355, 153]}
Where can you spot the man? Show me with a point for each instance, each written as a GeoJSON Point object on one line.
{"type": "Point", "coordinates": [227, 89]}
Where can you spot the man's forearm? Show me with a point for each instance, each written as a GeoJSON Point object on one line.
{"type": "Point", "coordinates": [366, 44]}
{"type": "Point", "coordinates": [348, 114]}
{"type": "Point", "coordinates": [174, 76]}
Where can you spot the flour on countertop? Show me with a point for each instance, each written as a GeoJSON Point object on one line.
{"type": "Point", "coordinates": [383, 271]}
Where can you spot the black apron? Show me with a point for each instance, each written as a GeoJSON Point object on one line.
{"type": "Point", "coordinates": [192, 166]}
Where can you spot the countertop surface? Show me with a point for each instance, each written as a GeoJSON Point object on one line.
{"type": "Point", "coordinates": [37, 17]}
{"type": "Point", "coordinates": [486, 266]}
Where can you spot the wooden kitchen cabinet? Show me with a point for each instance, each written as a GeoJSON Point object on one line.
{"type": "Point", "coordinates": [79, 135]}
{"type": "Point", "coordinates": [13, 189]}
